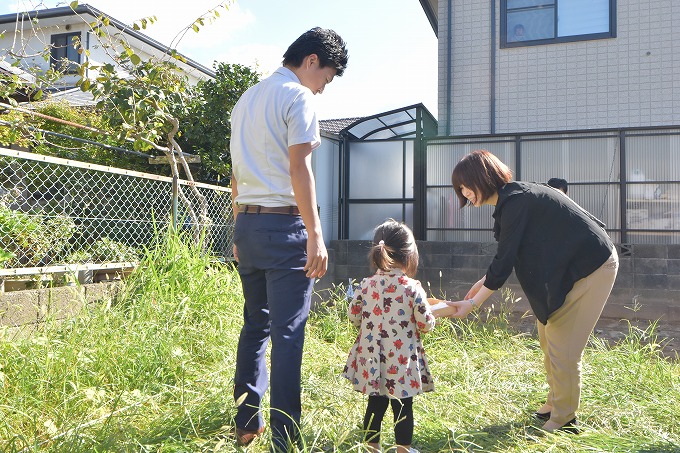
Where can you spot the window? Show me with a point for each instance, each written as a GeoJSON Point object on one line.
{"type": "Point", "coordinates": [63, 52]}
{"type": "Point", "coordinates": [532, 22]}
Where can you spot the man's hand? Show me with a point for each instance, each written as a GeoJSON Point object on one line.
{"type": "Point", "coordinates": [317, 257]}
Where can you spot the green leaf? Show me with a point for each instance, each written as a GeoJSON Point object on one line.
{"type": "Point", "coordinates": [134, 58]}
{"type": "Point", "coordinates": [74, 4]}
{"type": "Point", "coordinates": [5, 255]}
{"type": "Point", "coordinates": [195, 27]}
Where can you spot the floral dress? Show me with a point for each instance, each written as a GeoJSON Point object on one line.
{"type": "Point", "coordinates": [387, 357]}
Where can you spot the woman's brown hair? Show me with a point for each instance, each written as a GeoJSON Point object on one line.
{"type": "Point", "coordinates": [481, 172]}
{"type": "Point", "coordinates": [394, 246]}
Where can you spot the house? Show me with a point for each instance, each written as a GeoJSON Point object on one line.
{"type": "Point", "coordinates": [585, 91]}
{"type": "Point", "coordinates": [27, 36]}
{"type": "Point", "coordinates": [509, 66]}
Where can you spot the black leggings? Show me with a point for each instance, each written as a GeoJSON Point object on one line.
{"type": "Point", "coordinates": [403, 418]}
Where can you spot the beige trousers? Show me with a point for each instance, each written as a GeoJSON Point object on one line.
{"type": "Point", "coordinates": [566, 334]}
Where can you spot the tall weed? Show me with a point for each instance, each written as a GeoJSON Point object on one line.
{"type": "Point", "coordinates": [144, 367]}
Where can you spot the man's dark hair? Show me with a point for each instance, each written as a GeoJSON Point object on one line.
{"type": "Point", "coordinates": [558, 183]}
{"type": "Point", "coordinates": [325, 43]}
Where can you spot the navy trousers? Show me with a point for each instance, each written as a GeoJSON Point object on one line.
{"type": "Point", "coordinates": [272, 251]}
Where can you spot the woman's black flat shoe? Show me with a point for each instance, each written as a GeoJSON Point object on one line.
{"type": "Point", "coordinates": [542, 416]}
{"type": "Point", "coordinates": [570, 427]}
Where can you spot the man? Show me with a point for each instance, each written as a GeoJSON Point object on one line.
{"type": "Point", "coordinates": [559, 184]}
{"type": "Point", "coordinates": [518, 33]}
{"type": "Point", "coordinates": [278, 241]}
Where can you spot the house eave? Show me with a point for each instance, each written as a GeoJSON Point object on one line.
{"type": "Point", "coordinates": [67, 11]}
{"type": "Point", "coordinates": [430, 7]}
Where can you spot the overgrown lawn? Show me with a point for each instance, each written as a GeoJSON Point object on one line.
{"type": "Point", "coordinates": [152, 370]}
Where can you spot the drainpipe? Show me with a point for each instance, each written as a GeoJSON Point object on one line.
{"type": "Point", "coordinates": [492, 78]}
{"type": "Point", "coordinates": [87, 47]}
{"type": "Point", "coordinates": [449, 69]}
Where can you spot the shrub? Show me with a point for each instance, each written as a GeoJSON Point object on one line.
{"type": "Point", "coordinates": [32, 239]}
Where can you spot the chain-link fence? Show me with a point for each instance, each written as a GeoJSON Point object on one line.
{"type": "Point", "coordinates": [60, 212]}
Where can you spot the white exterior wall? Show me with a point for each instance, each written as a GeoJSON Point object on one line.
{"type": "Point", "coordinates": [325, 165]}
{"type": "Point", "coordinates": [632, 80]}
{"type": "Point", "coordinates": [32, 45]}
{"type": "Point", "coordinates": [469, 71]}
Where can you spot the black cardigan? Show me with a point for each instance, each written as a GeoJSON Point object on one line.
{"type": "Point", "coordinates": [549, 240]}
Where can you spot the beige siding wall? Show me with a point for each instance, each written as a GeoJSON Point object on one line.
{"type": "Point", "coordinates": [628, 81]}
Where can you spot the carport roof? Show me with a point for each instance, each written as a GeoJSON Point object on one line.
{"type": "Point", "coordinates": [400, 123]}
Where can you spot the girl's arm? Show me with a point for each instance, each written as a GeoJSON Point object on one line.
{"type": "Point", "coordinates": [355, 308]}
{"type": "Point", "coordinates": [422, 312]}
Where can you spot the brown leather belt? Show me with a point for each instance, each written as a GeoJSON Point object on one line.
{"type": "Point", "coordinates": [255, 209]}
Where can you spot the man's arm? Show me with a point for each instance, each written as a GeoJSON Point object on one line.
{"type": "Point", "coordinates": [234, 207]}
{"type": "Point", "coordinates": [302, 180]}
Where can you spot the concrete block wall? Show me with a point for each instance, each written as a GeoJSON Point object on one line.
{"type": "Point", "coordinates": [647, 286]}
{"type": "Point", "coordinates": [20, 308]}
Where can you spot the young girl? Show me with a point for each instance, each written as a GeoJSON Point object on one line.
{"type": "Point", "coordinates": [387, 361]}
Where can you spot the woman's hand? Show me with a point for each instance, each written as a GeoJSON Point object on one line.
{"type": "Point", "coordinates": [475, 288]}
{"type": "Point", "coordinates": [462, 308]}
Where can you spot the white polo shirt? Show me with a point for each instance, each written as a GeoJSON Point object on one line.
{"type": "Point", "coordinates": [272, 115]}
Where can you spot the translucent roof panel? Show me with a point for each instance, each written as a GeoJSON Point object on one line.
{"type": "Point", "coordinates": [384, 134]}
{"type": "Point", "coordinates": [365, 127]}
{"type": "Point", "coordinates": [394, 124]}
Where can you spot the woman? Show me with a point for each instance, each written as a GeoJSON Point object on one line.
{"type": "Point", "coordinates": [564, 261]}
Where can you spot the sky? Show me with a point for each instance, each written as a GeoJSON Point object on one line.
{"type": "Point", "coordinates": [392, 47]}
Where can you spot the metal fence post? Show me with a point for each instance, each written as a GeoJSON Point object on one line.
{"type": "Point", "coordinates": [175, 197]}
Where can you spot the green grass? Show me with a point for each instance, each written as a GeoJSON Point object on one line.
{"type": "Point", "coordinates": [152, 370]}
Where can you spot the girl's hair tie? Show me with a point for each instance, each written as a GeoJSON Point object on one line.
{"type": "Point", "coordinates": [381, 242]}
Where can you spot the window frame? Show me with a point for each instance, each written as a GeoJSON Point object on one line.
{"type": "Point", "coordinates": [505, 44]}
{"type": "Point", "coordinates": [57, 62]}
